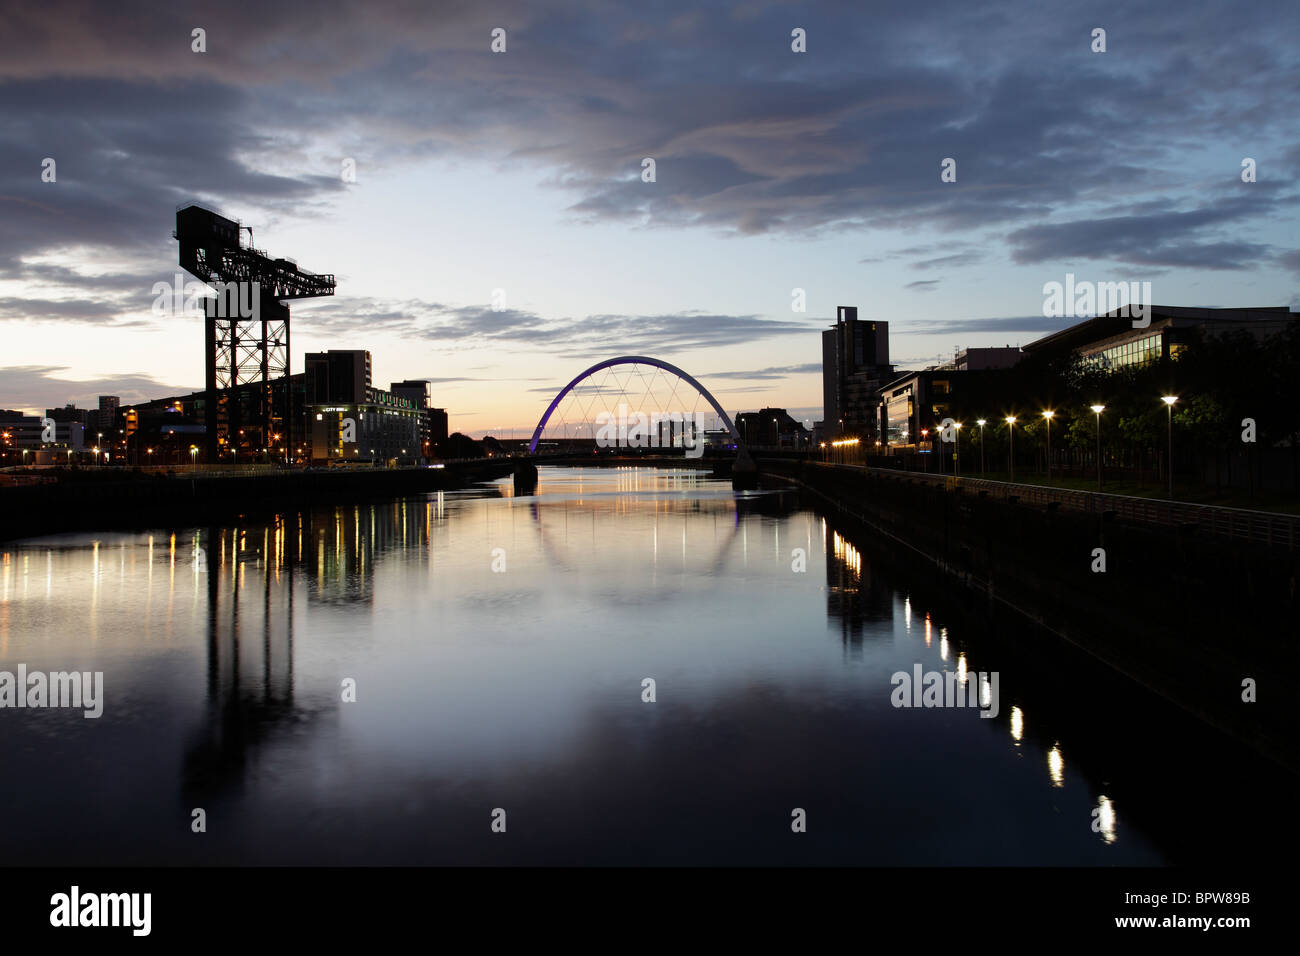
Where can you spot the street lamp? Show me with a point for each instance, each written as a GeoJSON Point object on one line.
{"type": "Point", "coordinates": [956, 458]}
{"type": "Point", "coordinates": [1098, 409]}
{"type": "Point", "coordinates": [194, 456]}
{"type": "Point", "coordinates": [981, 422]}
{"type": "Point", "coordinates": [1169, 404]}
{"type": "Point", "coordinates": [925, 462]}
{"type": "Point", "coordinates": [1048, 415]}
{"type": "Point", "coordinates": [1011, 450]}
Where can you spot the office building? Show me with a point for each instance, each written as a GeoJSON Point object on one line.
{"type": "Point", "coordinates": [347, 419]}
{"type": "Point", "coordinates": [1111, 341]}
{"type": "Point", "coordinates": [855, 363]}
{"type": "Point", "coordinates": [339, 375]}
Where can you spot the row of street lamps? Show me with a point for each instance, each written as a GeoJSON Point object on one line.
{"type": "Point", "coordinates": [1048, 415]}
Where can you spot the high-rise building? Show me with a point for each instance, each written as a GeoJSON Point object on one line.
{"type": "Point", "coordinates": [337, 376]}
{"type": "Point", "coordinates": [108, 406]}
{"type": "Point", "coordinates": [416, 390]}
{"type": "Point", "coordinates": [855, 363]}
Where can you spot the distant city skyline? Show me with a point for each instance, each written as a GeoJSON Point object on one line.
{"type": "Point", "coordinates": [522, 171]}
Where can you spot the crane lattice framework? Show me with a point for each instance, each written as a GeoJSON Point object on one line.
{"type": "Point", "coordinates": [246, 327]}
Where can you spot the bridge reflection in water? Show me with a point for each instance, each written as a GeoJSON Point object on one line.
{"type": "Point", "coordinates": [522, 688]}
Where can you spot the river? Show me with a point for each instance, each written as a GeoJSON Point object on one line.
{"type": "Point", "coordinates": [464, 678]}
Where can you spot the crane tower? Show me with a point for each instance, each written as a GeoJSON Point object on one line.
{"type": "Point", "coordinates": [246, 330]}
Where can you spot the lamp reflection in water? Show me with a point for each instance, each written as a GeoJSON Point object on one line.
{"type": "Point", "coordinates": [1056, 766]}
{"type": "Point", "coordinates": [907, 613]}
{"type": "Point", "coordinates": [1103, 818]}
{"type": "Point", "coordinates": [1017, 724]}
{"type": "Point", "coordinates": [943, 643]}
{"type": "Point", "coordinates": [847, 553]}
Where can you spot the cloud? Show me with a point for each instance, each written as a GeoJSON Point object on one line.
{"type": "Point", "coordinates": [1021, 323]}
{"type": "Point", "coordinates": [748, 138]}
{"type": "Point", "coordinates": [951, 261]}
{"type": "Point", "coordinates": [460, 327]}
{"type": "Point", "coordinates": [781, 371]}
{"type": "Point", "coordinates": [1166, 237]}
{"type": "Point", "coordinates": [38, 387]}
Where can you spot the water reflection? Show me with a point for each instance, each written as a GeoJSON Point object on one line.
{"type": "Point", "coordinates": [225, 647]}
{"type": "Point", "coordinates": [856, 598]}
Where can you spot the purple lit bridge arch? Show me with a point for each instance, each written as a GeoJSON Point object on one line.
{"type": "Point", "coordinates": [638, 360]}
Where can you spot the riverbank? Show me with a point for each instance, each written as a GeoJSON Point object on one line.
{"type": "Point", "coordinates": [1189, 617]}
{"type": "Point", "coordinates": [112, 499]}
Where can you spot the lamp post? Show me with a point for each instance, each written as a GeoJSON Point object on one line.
{"type": "Point", "coordinates": [1048, 416]}
{"type": "Point", "coordinates": [1098, 409]}
{"type": "Point", "coordinates": [1011, 449]}
{"type": "Point", "coordinates": [1169, 464]}
{"type": "Point", "coordinates": [925, 462]}
{"type": "Point", "coordinates": [956, 458]}
{"type": "Point", "coordinates": [981, 423]}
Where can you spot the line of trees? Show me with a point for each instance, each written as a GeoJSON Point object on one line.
{"type": "Point", "coordinates": [1235, 393]}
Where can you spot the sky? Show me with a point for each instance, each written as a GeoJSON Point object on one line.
{"type": "Point", "coordinates": [520, 174]}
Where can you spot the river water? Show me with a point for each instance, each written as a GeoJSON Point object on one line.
{"type": "Point", "coordinates": [462, 678]}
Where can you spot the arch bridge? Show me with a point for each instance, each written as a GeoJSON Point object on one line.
{"type": "Point", "coordinates": [633, 360]}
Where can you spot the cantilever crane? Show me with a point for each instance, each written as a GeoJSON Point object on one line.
{"type": "Point", "coordinates": [246, 332]}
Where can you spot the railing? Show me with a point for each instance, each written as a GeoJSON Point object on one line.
{"type": "Point", "coordinates": [1260, 526]}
